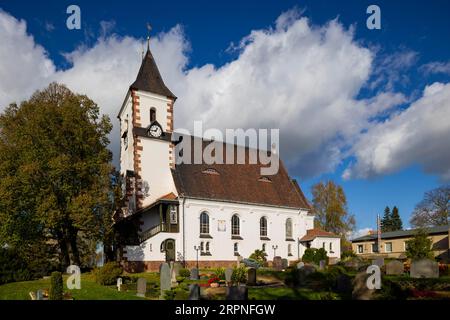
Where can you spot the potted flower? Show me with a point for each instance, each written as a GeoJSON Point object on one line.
{"type": "Point", "coordinates": [213, 282]}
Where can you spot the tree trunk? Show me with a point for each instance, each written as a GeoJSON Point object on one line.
{"type": "Point", "coordinates": [65, 257]}
{"type": "Point", "coordinates": [74, 246]}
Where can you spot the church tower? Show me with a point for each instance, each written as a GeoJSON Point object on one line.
{"type": "Point", "coordinates": [146, 126]}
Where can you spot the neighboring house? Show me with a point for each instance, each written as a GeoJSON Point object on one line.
{"type": "Point", "coordinates": [393, 244]}
{"type": "Point", "coordinates": [217, 212]}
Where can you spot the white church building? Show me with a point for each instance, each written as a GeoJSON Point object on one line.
{"type": "Point", "coordinates": [200, 212]}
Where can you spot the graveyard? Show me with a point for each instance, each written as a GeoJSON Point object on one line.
{"type": "Point", "coordinates": [422, 279]}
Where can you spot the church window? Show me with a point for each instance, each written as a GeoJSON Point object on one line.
{"type": "Point", "coordinates": [207, 247]}
{"type": "Point", "coordinates": [204, 223]}
{"type": "Point", "coordinates": [331, 247]}
{"type": "Point", "coordinates": [202, 247]}
{"type": "Point", "coordinates": [289, 250]}
{"type": "Point", "coordinates": [289, 228]}
{"type": "Point", "coordinates": [235, 229]}
{"type": "Point", "coordinates": [236, 248]}
{"type": "Point", "coordinates": [152, 115]}
{"type": "Point", "coordinates": [264, 247]}
{"type": "Point", "coordinates": [263, 227]}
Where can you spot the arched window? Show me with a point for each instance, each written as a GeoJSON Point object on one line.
{"type": "Point", "coordinates": [235, 230]}
{"type": "Point", "coordinates": [204, 223]}
{"type": "Point", "coordinates": [263, 227]}
{"type": "Point", "coordinates": [288, 228]}
{"type": "Point", "coordinates": [289, 249]}
{"type": "Point", "coordinates": [152, 115]}
{"type": "Point", "coordinates": [207, 247]}
{"type": "Point", "coordinates": [264, 247]}
{"type": "Point", "coordinates": [202, 247]}
{"type": "Point", "coordinates": [236, 247]}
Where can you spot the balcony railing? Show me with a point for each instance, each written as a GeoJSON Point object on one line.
{"type": "Point", "coordinates": [157, 229]}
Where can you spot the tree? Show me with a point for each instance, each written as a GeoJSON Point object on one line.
{"type": "Point", "coordinates": [330, 206]}
{"type": "Point", "coordinates": [55, 173]}
{"type": "Point", "coordinates": [433, 210]}
{"type": "Point", "coordinates": [386, 223]}
{"type": "Point", "coordinates": [419, 247]}
{"type": "Point", "coordinates": [396, 220]}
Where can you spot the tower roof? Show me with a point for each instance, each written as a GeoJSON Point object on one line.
{"type": "Point", "coordinates": [149, 79]}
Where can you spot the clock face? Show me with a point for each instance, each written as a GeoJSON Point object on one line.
{"type": "Point", "coordinates": [155, 130]}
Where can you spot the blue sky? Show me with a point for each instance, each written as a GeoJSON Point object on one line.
{"type": "Point", "coordinates": [410, 52]}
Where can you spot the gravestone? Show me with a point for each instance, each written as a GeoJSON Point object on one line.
{"type": "Point", "coordinates": [141, 287]}
{"type": "Point", "coordinates": [300, 265]}
{"type": "Point", "coordinates": [228, 275]}
{"type": "Point", "coordinates": [251, 277]}
{"type": "Point", "coordinates": [322, 264]}
{"type": "Point", "coordinates": [394, 267]}
{"type": "Point", "coordinates": [237, 293]}
{"type": "Point", "coordinates": [173, 277]}
{"type": "Point", "coordinates": [424, 268]}
{"type": "Point", "coordinates": [277, 264]}
{"type": "Point", "coordinates": [284, 264]}
{"type": "Point", "coordinates": [194, 292]}
{"type": "Point", "coordinates": [164, 279]}
{"type": "Point", "coordinates": [177, 267]}
{"type": "Point", "coordinates": [119, 284]}
{"type": "Point", "coordinates": [194, 274]}
{"type": "Point", "coordinates": [360, 289]}
{"type": "Point", "coordinates": [39, 295]}
{"type": "Point", "coordinates": [378, 262]}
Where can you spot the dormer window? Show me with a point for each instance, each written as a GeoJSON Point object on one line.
{"type": "Point", "coordinates": [264, 179]}
{"type": "Point", "coordinates": [210, 171]}
{"type": "Point", "coordinates": [152, 115]}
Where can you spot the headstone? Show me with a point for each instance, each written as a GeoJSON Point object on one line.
{"type": "Point", "coordinates": [300, 265]}
{"type": "Point", "coordinates": [360, 289]}
{"type": "Point", "coordinates": [251, 277]}
{"type": "Point", "coordinates": [119, 284]}
{"type": "Point", "coordinates": [164, 279]}
{"type": "Point", "coordinates": [424, 268]}
{"type": "Point", "coordinates": [378, 262]}
{"type": "Point", "coordinates": [141, 287]}
{"type": "Point", "coordinates": [173, 277]}
{"type": "Point", "coordinates": [237, 293]}
{"type": "Point", "coordinates": [194, 274]}
{"type": "Point", "coordinates": [39, 295]}
{"type": "Point", "coordinates": [394, 267]}
{"type": "Point", "coordinates": [284, 264]}
{"type": "Point", "coordinates": [228, 275]}
{"type": "Point", "coordinates": [194, 292]}
{"type": "Point", "coordinates": [322, 264]}
{"type": "Point", "coordinates": [177, 267]}
{"type": "Point", "coordinates": [277, 264]}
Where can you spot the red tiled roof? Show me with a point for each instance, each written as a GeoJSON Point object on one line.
{"type": "Point", "coordinates": [317, 233]}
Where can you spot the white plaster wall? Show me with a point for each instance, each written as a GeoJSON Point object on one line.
{"type": "Point", "coordinates": [221, 244]}
{"type": "Point", "coordinates": [148, 101]}
{"type": "Point", "coordinates": [336, 246]}
{"type": "Point", "coordinates": [126, 155]}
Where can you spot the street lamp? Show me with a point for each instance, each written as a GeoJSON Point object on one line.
{"type": "Point", "coordinates": [196, 248]}
{"type": "Point", "coordinates": [274, 247]}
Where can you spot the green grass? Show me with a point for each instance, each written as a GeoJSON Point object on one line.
{"type": "Point", "coordinates": [285, 293]}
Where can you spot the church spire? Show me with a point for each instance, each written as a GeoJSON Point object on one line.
{"type": "Point", "coordinates": [149, 79]}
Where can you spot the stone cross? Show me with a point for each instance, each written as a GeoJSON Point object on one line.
{"type": "Point", "coordinates": [164, 279]}
{"type": "Point", "coordinates": [141, 287]}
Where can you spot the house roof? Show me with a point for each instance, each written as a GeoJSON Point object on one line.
{"type": "Point", "coordinates": [317, 233]}
{"type": "Point", "coordinates": [241, 183]}
{"type": "Point", "coordinates": [149, 79]}
{"type": "Point", "coordinates": [402, 233]}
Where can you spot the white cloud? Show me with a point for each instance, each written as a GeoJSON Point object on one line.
{"type": "Point", "coordinates": [300, 78]}
{"type": "Point", "coordinates": [436, 67]}
{"type": "Point", "coordinates": [420, 134]}
{"type": "Point", "coordinates": [358, 233]}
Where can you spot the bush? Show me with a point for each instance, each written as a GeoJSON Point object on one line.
{"type": "Point", "coordinates": [13, 267]}
{"type": "Point", "coordinates": [313, 255]}
{"type": "Point", "coordinates": [185, 273]}
{"type": "Point", "coordinates": [239, 274]}
{"type": "Point", "coordinates": [56, 286]}
{"type": "Point", "coordinates": [260, 256]}
{"type": "Point", "coordinates": [347, 254]}
{"type": "Point", "coordinates": [108, 274]}
{"type": "Point", "coordinates": [220, 273]}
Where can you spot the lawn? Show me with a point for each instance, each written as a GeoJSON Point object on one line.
{"type": "Point", "coordinates": [89, 289]}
